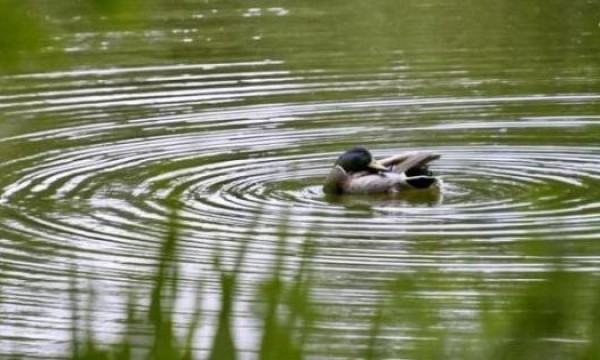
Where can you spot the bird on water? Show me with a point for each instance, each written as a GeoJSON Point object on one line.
{"type": "Point", "coordinates": [357, 172]}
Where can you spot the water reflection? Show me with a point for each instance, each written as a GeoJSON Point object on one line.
{"type": "Point", "coordinates": [242, 122]}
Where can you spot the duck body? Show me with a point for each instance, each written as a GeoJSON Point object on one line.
{"type": "Point", "coordinates": [357, 172]}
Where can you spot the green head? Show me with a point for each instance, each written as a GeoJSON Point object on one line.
{"type": "Point", "coordinates": [358, 159]}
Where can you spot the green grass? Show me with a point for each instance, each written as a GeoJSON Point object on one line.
{"type": "Point", "coordinates": [284, 312]}
{"type": "Point", "coordinates": [558, 304]}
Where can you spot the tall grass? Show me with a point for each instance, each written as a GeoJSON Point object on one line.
{"type": "Point", "coordinates": [285, 314]}
{"type": "Point", "coordinates": [536, 322]}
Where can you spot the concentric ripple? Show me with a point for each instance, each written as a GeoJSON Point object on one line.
{"type": "Point", "coordinates": [226, 174]}
{"type": "Point", "coordinates": [230, 162]}
{"type": "Point", "coordinates": [243, 148]}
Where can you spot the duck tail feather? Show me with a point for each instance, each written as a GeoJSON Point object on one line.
{"type": "Point", "coordinates": [421, 182]}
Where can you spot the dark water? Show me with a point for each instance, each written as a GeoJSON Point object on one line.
{"type": "Point", "coordinates": [238, 109]}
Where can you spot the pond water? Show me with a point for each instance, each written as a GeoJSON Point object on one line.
{"type": "Point", "coordinates": [238, 110]}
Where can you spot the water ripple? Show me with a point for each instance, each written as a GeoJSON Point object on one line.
{"type": "Point", "coordinates": [244, 147]}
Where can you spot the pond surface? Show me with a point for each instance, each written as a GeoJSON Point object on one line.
{"type": "Point", "coordinates": [239, 109]}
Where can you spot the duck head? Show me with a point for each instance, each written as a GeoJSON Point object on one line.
{"type": "Point", "coordinates": [359, 159]}
{"type": "Point", "coordinates": [356, 160]}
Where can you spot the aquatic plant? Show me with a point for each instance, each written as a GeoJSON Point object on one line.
{"type": "Point", "coordinates": [284, 310]}
{"type": "Point", "coordinates": [555, 315]}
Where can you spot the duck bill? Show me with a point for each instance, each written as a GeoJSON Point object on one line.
{"type": "Point", "coordinates": [374, 164]}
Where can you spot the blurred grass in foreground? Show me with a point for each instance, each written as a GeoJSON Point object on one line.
{"type": "Point", "coordinates": [556, 316]}
{"type": "Point", "coordinates": [284, 311]}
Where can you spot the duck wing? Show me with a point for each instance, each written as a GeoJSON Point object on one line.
{"type": "Point", "coordinates": [411, 160]}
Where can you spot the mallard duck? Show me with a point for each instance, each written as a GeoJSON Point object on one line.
{"type": "Point", "coordinates": [356, 171]}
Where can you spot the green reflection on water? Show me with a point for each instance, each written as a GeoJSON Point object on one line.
{"type": "Point", "coordinates": [493, 37]}
{"type": "Point", "coordinates": [438, 48]}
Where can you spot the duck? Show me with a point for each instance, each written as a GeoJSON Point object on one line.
{"type": "Point", "coordinates": [356, 171]}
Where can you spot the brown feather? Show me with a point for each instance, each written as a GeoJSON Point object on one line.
{"type": "Point", "coordinates": [405, 161]}
{"type": "Point", "coordinates": [339, 181]}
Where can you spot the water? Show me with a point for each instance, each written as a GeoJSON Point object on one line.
{"type": "Point", "coordinates": [239, 110]}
